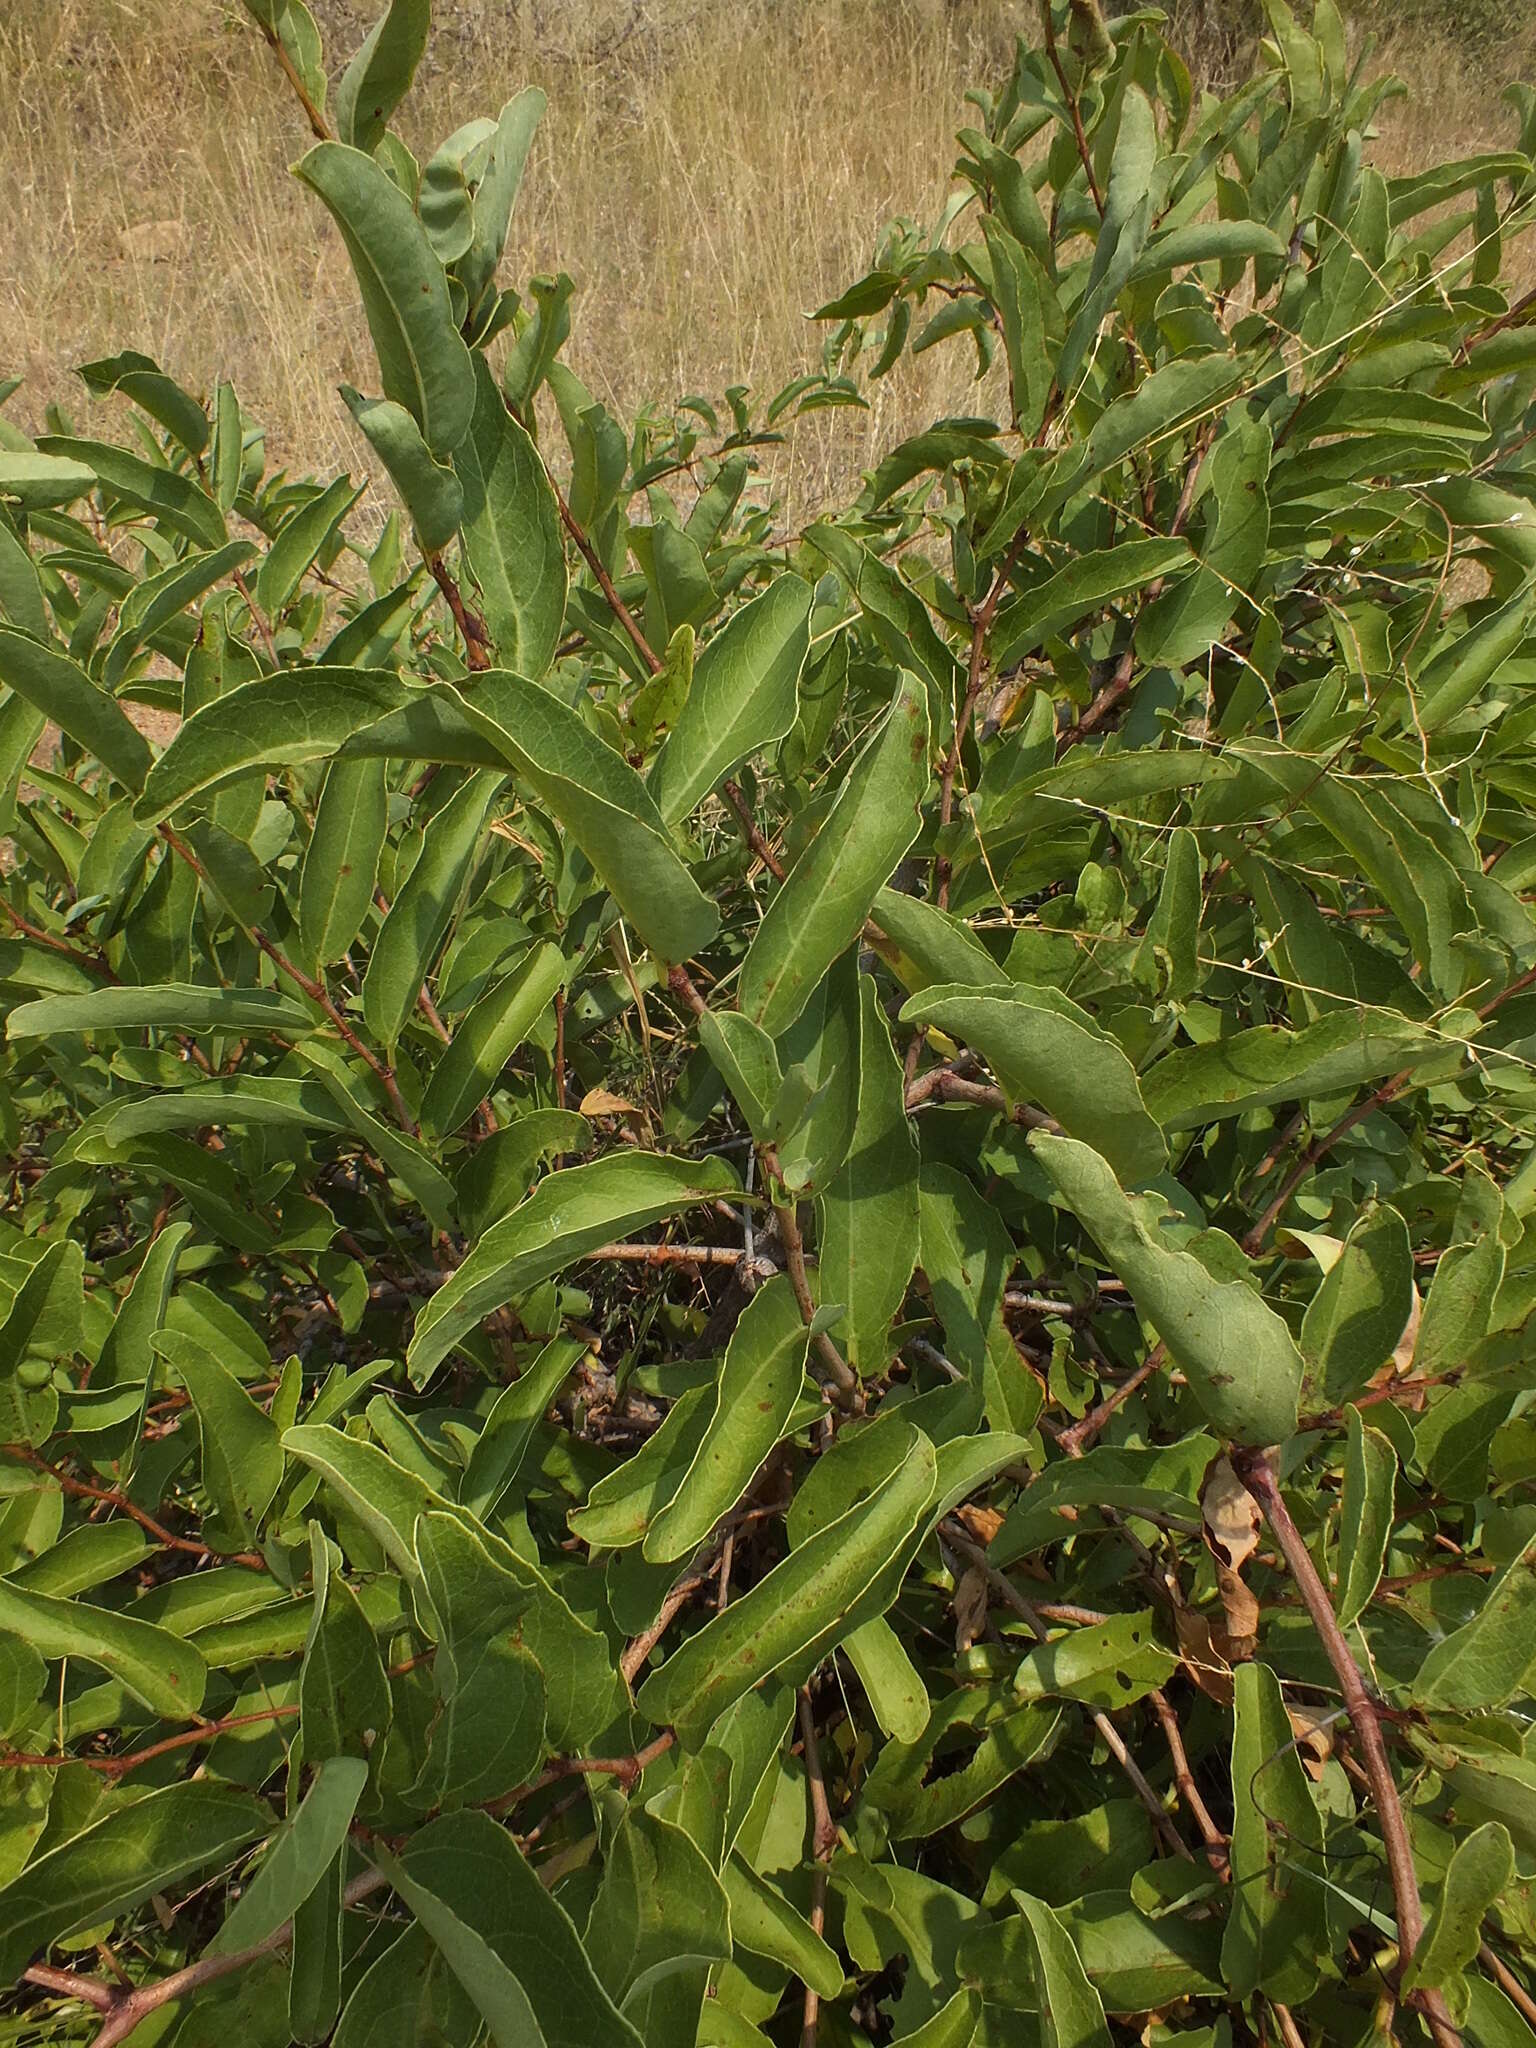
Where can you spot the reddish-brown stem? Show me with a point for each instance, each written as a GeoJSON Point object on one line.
{"type": "Point", "coordinates": [605, 583]}
{"type": "Point", "coordinates": [320, 128]}
{"type": "Point", "coordinates": [957, 1540]}
{"type": "Point", "coordinates": [39, 937]}
{"type": "Point", "coordinates": [942, 1085]}
{"type": "Point", "coordinates": [823, 1842]}
{"type": "Point", "coordinates": [1255, 1471]}
{"type": "Point", "coordinates": [1076, 1439]}
{"type": "Point", "coordinates": [83, 1489]}
{"type": "Point", "coordinates": [668, 1254]}
{"type": "Point", "coordinates": [750, 828]}
{"type": "Point", "coordinates": [1509, 1984]}
{"type": "Point", "coordinates": [981, 626]}
{"type": "Point", "coordinates": [88, 1989]}
{"type": "Point", "coordinates": [1083, 151]}
{"type": "Point", "coordinates": [477, 641]}
{"type": "Point", "coordinates": [842, 1380]}
{"type": "Point", "coordinates": [1184, 1778]}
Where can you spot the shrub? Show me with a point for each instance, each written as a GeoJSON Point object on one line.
{"type": "Point", "coordinates": [772, 1286]}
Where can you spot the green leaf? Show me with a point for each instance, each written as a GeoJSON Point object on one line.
{"type": "Point", "coordinates": [1356, 1318]}
{"type": "Point", "coordinates": [279, 721]}
{"type": "Point", "coordinates": [344, 1699]}
{"type": "Point", "coordinates": [297, 1858]}
{"type": "Point", "coordinates": [488, 1733]}
{"type": "Point", "coordinates": [660, 1907]}
{"type": "Point", "coordinates": [421, 913]}
{"type": "Point", "coordinates": [166, 1006]}
{"type": "Point", "coordinates": [513, 554]}
{"type": "Point", "coordinates": [1229, 1076]}
{"type": "Point", "coordinates": [242, 1457]}
{"type": "Point", "coordinates": [1044, 1049]}
{"type": "Point", "coordinates": [1276, 1926]}
{"type": "Point", "coordinates": [803, 1606]}
{"type": "Point", "coordinates": [476, 1895]}
{"type": "Point", "coordinates": [151, 605]}
{"type": "Point", "coordinates": [744, 696]}
{"type": "Point", "coordinates": [341, 862]}
{"type": "Point", "coordinates": [379, 75]}
{"type": "Point", "coordinates": [409, 1995]}
{"type": "Point", "coordinates": [823, 902]}
{"type": "Point", "coordinates": [500, 1447]}
{"type": "Point", "coordinates": [489, 1035]}
{"type": "Point", "coordinates": [756, 1394]}
{"type": "Point", "coordinates": [764, 1923]}
{"type": "Point", "coordinates": [569, 1213]}
{"type": "Point", "coordinates": [1122, 231]}
{"type": "Point", "coordinates": [1085, 585]}
{"type": "Point", "coordinates": [134, 1851]}
{"type": "Point", "coordinates": [423, 362]}
{"type": "Point", "coordinates": [892, 1684]}
{"type": "Point", "coordinates": [869, 1211]}
{"type": "Point", "coordinates": [1109, 1664]}
{"type": "Point", "coordinates": [621, 1506]}
{"type": "Point", "coordinates": [601, 803]}
{"type": "Point", "coordinates": [154, 1666]}
{"type": "Point", "coordinates": [497, 191]}
{"type": "Point", "coordinates": [1476, 1878]}
{"type": "Point", "coordinates": [145, 486]}
{"type": "Point", "coordinates": [35, 481]}
{"type": "Point", "coordinates": [1071, 2011]}
{"type": "Point", "coordinates": [1365, 1517]}
{"type": "Point", "coordinates": [301, 539]}
{"type": "Point", "coordinates": [429, 489]}
{"type": "Point", "coordinates": [314, 1970]}
{"type": "Point", "coordinates": [1242, 1361]}
{"type": "Point", "coordinates": [66, 694]}
{"type": "Point", "coordinates": [1484, 1662]}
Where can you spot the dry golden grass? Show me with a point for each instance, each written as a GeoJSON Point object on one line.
{"type": "Point", "coordinates": [706, 174]}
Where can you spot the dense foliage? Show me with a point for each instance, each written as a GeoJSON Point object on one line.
{"type": "Point", "coordinates": [771, 1287]}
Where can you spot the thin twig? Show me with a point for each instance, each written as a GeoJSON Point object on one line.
{"type": "Point", "coordinates": [1255, 1471]}
{"type": "Point", "coordinates": [1083, 151]}
{"type": "Point", "coordinates": [823, 1842]}
{"type": "Point", "coordinates": [1108, 1733]}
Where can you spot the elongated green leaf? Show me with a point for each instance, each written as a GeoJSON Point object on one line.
{"type": "Point", "coordinates": [428, 487]}
{"type": "Point", "coordinates": [1271, 1064]}
{"type": "Point", "coordinates": [133, 1851]}
{"type": "Point", "coordinates": [1084, 586]}
{"type": "Point", "coordinates": [1044, 1049]}
{"type": "Point", "coordinates": [1355, 1319]}
{"type": "Point", "coordinates": [152, 604]}
{"type": "Point", "coordinates": [1109, 1664]}
{"type": "Point", "coordinates": [757, 1392]}
{"type": "Point", "coordinates": [1241, 1359]}
{"type": "Point", "coordinates": [1483, 1663]}
{"type": "Point", "coordinates": [422, 358]}
{"type": "Point", "coordinates": [379, 76]}
{"type": "Point", "coordinates": [464, 1872]}
{"type": "Point", "coordinates": [147, 486]}
{"type": "Point", "coordinates": [173, 1006]}
{"type": "Point", "coordinates": [1122, 232]}
{"type": "Point", "coordinates": [745, 695]}
{"type": "Point", "coordinates": [488, 1732]}
{"type": "Point", "coordinates": [622, 1505]}
{"type": "Point", "coordinates": [1479, 1870]}
{"type": "Point", "coordinates": [500, 1446]}
{"type": "Point", "coordinates": [342, 859]}
{"type": "Point", "coordinates": [344, 1699]}
{"type": "Point", "coordinates": [602, 804]}
{"type": "Point", "coordinates": [897, 1697]}
{"type": "Point", "coordinates": [511, 538]}
{"type": "Point", "coordinates": [300, 540]}
{"type": "Point", "coordinates": [280, 721]}
{"type": "Point", "coordinates": [497, 191]}
{"type": "Point", "coordinates": [765, 1924]}
{"type": "Point", "coordinates": [571, 1212]}
{"type": "Point", "coordinates": [420, 915]}
{"type": "Point", "coordinates": [488, 1036]}
{"type": "Point", "coordinates": [33, 480]}
{"type": "Point", "coordinates": [828, 893]}
{"type": "Point", "coordinates": [314, 1970]}
{"type": "Point", "coordinates": [297, 1858]}
{"type": "Point", "coordinates": [1071, 2011]}
{"type": "Point", "coordinates": [66, 694]}
{"type": "Point", "coordinates": [154, 1666]}
{"type": "Point", "coordinates": [410, 1994]}
{"type": "Point", "coordinates": [803, 1604]}
{"type": "Point", "coordinates": [660, 1908]}
{"type": "Point", "coordinates": [1275, 1928]}
{"type": "Point", "coordinates": [869, 1210]}
{"type": "Point", "coordinates": [242, 1458]}
{"type": "Point", "coordinates": [1365, 1516]}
